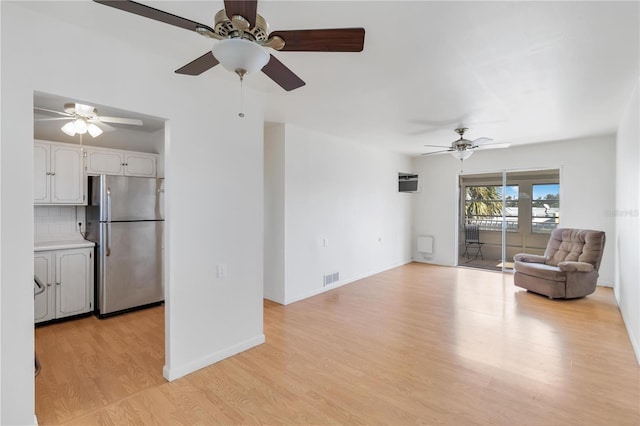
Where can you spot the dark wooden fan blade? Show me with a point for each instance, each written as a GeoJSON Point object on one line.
{"type": "Point", "coordinates": [155, 14]}
{"type": "Point", "coordinates": [325, 40]}
{"type": "Point", "coordinates": [245, 8]}
{"type": "Point", "coordinates": [282, 75]}
{"type": "Point", "coordinates": [200, 65]}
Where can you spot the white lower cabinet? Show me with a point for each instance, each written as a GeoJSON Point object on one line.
{"type": "Point", "coordinates": [68, 279]}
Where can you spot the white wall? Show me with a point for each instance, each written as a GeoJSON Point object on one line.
{"type": "Point", "coordinates": [274, 220]}
{"type": "Point", "coordinates": [210, 153]}
{"type": "Point", "coordinates": [587, 191]}
{"type": "Point", "coordinates": [627, 214]}
{"type": "Point", "coordinates": [346, 194]}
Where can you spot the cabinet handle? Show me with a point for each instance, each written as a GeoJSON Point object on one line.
{"type": "Point", "coordinates": [48, 284]}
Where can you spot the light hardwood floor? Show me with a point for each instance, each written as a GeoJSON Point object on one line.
{"type": "Point", "coordinates": [416, 344]}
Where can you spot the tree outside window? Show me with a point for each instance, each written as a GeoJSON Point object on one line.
{"type": "Point", "coordinates": [484, 207]}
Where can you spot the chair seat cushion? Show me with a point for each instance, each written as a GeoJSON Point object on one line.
{"type": "Point", "coordinates": [540, 270]}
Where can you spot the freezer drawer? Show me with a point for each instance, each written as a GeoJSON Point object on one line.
{"type": "Point", "coordinates": [129, 265]}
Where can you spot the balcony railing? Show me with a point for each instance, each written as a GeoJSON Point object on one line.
{"type": "Point", "coordinates": [538, 225]}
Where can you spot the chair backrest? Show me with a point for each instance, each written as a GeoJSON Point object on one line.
{"type": "Point", "coordinates": [471, 233]}
{"type": "Point", "coordinates": [578, 245]}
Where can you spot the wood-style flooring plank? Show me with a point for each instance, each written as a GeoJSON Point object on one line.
{"type": "Point", "coordinates": [418, 344]}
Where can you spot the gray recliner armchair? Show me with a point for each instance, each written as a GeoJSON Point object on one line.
{"type": "Point", "coordinates": [569, 267]}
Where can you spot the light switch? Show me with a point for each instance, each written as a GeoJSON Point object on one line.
{"type": "Point", "coordinates": [222, 270]}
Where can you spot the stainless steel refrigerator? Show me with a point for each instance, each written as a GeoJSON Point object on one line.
{"type": "Point", "coordinates": [125, 219]}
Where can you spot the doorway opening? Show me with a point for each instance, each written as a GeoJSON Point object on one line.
{"type": "Point", "coordinates": [505, 213]}
{"type": "Point", "coordinates": [86, 362]}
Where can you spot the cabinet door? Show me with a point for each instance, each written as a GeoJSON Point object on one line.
{"type": "Point", "coordinates": [44, 304]}
{"type": "Point", "coordinates": [105, 162]}
{"type": "Point", "coordinates": [73, 282]}
{"type": "Point", "coordinates": [41, 170]}
{"type": "Point", "coordinates": [67, 175]}
{"type": "Point", "coordinates": [137, 164]}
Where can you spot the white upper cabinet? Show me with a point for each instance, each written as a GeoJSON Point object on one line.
{"type": "Point", "coordinates": [102, 161]}
{"type": "Point", "coordinates": [41, 173]}
{"type": "Point", "coordinates": [58, 176]}
{"type": "Point", "coordinates": [139, 164]}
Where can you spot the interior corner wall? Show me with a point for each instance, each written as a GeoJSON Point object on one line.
{"type": "Point", "coordinates": [627, 216]}
{"type": "Point", "coordinates": [343, 212]}
{"type": "Point", "coordinates": [274, 219]}
{"type": "Point", "coordinates": [587, 190]}
{"type": "Point", "coordinates": [214, 169]}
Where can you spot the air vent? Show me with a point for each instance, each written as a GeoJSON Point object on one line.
{"type": "Point", "coordinates": [331, 278]}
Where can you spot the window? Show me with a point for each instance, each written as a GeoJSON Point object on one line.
{"type": "Point", "coordinates": [483, 207]}
{"type": "Point", "coordinates": [545, 207]}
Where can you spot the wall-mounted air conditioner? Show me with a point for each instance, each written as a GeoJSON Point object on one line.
{"type": "Point", "coordinates": [408, 182]}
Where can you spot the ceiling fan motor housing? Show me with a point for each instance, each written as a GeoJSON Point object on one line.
{"type": "Point", "coordinates": [224, 27]}
{"type": "Point", "coordinates": [461, 144]}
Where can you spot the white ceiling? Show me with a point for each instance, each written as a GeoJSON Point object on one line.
{"type": "Point", "coordinates": [518, 72]}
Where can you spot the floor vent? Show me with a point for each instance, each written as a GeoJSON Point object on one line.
{"type": "Point", "coordinates": [331, 278]}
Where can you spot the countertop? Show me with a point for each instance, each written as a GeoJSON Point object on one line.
{"type": "Point", "coordinates": [61, 244]}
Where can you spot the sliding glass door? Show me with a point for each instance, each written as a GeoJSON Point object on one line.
{"type": "Point", "coordinates": [506, 213]}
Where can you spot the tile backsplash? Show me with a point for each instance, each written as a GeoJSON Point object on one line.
{"type": "Point", "coordinates": [53, 223]}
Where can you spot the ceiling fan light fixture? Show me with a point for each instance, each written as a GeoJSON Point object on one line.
{"type": "Point", "coordinates": [69, 129]}
{"type": "Point", "coordinates": [94, 130]}
{"type": "Point", "coordinates": [80, 126]}
{"type": "Point", "coordinates": [240, 56]}
{"type": "Point", "coordinates": [461, 155]}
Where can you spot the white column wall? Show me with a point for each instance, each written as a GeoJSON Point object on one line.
{"type": "Point", "coordinates": [214, 172]}
{"type": "Point", "coordinates": [587, 191]}
{"type": "Point", "coordinates": [274, 218]}
{"type": "Point", "coordinates": [627, 215]}
{"type": "Point", "coordinates": [343, 212]}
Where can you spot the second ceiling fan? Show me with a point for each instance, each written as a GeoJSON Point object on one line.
{"type": "Point", "coordinates": [243, 37]}
{"type": "Point", "coordinates": [463, 148]}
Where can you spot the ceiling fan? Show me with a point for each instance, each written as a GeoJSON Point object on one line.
{"type": "Point", "coordinates": [243, 37]}
{"type": "Point", "coordinates": [463, 148]}
{"type": "Point", "coordinates": [84, 118]}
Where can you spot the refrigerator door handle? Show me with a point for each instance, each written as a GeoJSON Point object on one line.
{"type": "Point", "coordinates": [108, 204]}
{"type": "Point", "coordinates": [107, 238]}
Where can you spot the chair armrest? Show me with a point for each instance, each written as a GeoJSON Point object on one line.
{"type": "Point", "coordinates": [575, 267]}
{"type": "Point", "coordinates": [529, 258]}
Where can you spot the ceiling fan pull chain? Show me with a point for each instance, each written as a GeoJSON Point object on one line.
{"type": "Point", "coordinates": [241, 114]}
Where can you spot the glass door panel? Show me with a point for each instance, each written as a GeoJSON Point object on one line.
{"type": "Point", "coordinates": [513, 212]}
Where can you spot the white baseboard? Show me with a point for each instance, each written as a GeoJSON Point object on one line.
{"type": "Point", "coordinates": [321, 290]}
{"type": "Point", "coordinates": [173, 373]}
{"type": "Point", "coordinates": [632, 337]}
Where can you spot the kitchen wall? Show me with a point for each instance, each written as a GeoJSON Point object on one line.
{"type": "Point", "coordinates": [53, 223]}
{"type": "Point", "coordinates": [627, 217]}
{"type": "Point", "coordinates": [209, 222]}
{"type": "Point", "coordinates": [332, 206]}
{"type": "Point", "coordinates": [587, 190]}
